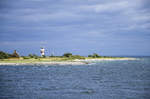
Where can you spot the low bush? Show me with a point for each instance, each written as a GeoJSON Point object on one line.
{"type": "Point", "coordinates": [67, 54]}
{"type": "Point", "coordinates": [77, 57]}
{"type": "Point", "coordinates": [25, 57]}
{"type": "Point", "coordinates": [4, 55]}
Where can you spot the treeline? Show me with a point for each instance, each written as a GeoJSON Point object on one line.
{"type": "Point", "coordinates": [4, 55]}
{"type": "Point", "coordinates": [65, 55]}
{"type": "Point", "coordinates": [95, 55]}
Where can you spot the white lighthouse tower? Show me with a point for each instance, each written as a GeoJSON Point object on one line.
{"type": "Point", "coordinates": [42, 50]}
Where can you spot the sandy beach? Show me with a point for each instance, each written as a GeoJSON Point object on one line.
{"type": "Point", "coordinates": [46, 63]}
{"type": "Point", "coordinates": [104, 59]}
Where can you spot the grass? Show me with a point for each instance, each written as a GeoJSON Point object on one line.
{"type": "Point", "coordinates": [33, 60]}
{"type": "Point", "coordinates": [51, 59]}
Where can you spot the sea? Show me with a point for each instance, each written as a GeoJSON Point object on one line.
{"type": "Point", "coordinates": [118, 79]}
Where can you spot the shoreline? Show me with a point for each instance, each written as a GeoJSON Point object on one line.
{"type": "Point", "coordinates": [73, 62]}
{"type": "Point", "coordinates": [106, 59]}
{"type": "Point", "coordinates": [44, 63]}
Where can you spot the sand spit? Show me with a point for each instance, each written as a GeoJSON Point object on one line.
{"type": "Point", "coordinates": [47, 63]}
{"type": "Point", "coordinates": [104, 59]}
{"type": "Point", "coordinates": [75, 62]}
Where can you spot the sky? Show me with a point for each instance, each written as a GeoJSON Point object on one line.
{"type": "Point", "coordinates": [106, 27]}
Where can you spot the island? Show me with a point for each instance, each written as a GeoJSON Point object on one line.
{"type": "Point", "coordinates": [65, 59]}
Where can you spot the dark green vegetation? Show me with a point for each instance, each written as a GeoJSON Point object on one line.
{"type": "Point", "coordinates": [4, 55]}
{"type": "Point", "coordinates": [95, 55]}
{"type": "Point", "coordinates": [33, 58]}
{"type": "Point", "coordinates": [68, 56]}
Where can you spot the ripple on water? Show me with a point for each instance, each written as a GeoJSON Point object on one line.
{"type": "Point", "coordinates": [103, 80]}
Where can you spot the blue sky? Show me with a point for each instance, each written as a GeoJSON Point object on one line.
{"type": "Point", "coordinates": [106, 27]}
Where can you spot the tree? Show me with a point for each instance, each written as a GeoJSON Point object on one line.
{"type": "Point", "coordinates": [67, 54]}
{"type": "Point", "coordinates": [89, 55]}
{"type": "Point", "coordinates": [77, 57]}
{"type": "Point", "coordinates": [95, 55]}
{"type": "Point", "coordinates": [15, 54]}
{"type": "Point", "coordinates": [43, 56]}
{"type": "Point", "coordinates": [33, 56]}
{"type": "Point", "coordinates": [30, 55]}
{"type": "Point", "coordinates": [4, 55]}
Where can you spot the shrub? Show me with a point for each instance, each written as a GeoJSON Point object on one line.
{"type": "Point", "coordinates": [77, 57]}
{"type": "Point", "coordinates": [30, 55]}
{"type": "Point", "coordinates": [89, 55]}
{"type": "Point", "coordinates": [25, 57]}
{"type": "Point", "coordinates": [43, 56]}
{"type": "Point", "coordinates": [67, 54]}
{"type": "Point", "coordinates": [95, 55]}
{"type": "Point", "coordinates": [4, 55]}
{"type": "Point", "coordinates": [33, 56]}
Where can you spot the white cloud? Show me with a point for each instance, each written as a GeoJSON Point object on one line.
{"type": "Point", "coordinates": [106, 7]}
{"type": "Point", "coordinates": [124, 14]}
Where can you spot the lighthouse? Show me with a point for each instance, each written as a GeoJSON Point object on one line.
{"type": "Point", "coordinates": [42, 50]}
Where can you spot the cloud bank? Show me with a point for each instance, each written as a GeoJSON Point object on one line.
{"type": "Point", "coordinates": [111, 27]}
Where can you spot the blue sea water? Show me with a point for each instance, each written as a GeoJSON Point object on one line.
{"type": "Point", "coordinates": [101, 80]}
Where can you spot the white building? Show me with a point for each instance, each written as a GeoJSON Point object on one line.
{"type": "Point", "coordinates": [42, 50]}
